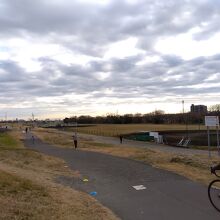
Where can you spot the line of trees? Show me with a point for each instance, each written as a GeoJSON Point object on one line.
{"type": "Point", "coordinates": [156, 117]}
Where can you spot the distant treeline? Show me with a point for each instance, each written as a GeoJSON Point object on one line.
{"type": "Point", "coordinates": [156, 117]}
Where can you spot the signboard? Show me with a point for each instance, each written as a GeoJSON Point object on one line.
{"type": "Point", "coordinates": [211, 121]}
{"type": "Point", "coordinates": [154, 134]}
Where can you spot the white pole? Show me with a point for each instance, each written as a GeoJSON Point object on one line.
{"type": "Point", "coordinates": [209, 141]}
{"type": "Point", "coordinates": [217, 133]}
{"type": "Point", "coordinates": [76, 125]}
{"type": "Point", "coordinates": [183, 105]}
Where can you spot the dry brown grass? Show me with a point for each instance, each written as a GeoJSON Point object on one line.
{"type": "Point", "coordinates": [54, 137]}
{"type": "Point", "coordinates": [15, 197]}
{"type": "Point", "coordinates": [28, 189]}
{"type": "Point", "coordinates": [117, 129]}
{"type": "Point", "coordinates": [34, 161]}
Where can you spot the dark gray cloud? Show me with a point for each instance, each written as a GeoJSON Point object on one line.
{"type": "Point", "coordinates": [169, 75]}
{"type": "Point", "coordinates": [90, 27]}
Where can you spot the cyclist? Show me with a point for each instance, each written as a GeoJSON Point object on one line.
{"type": "Point", "coordinates": [214, 168]}
{"type": "Point", "coordinates": [213, 191]}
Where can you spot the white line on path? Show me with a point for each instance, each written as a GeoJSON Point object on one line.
{"type": "Point", "coordinates": [139, 187]}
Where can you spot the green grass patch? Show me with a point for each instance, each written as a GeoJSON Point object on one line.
{"type": "Point", "coordinates": [7, 141]}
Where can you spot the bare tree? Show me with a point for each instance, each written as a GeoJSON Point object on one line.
{"type": "Point", "coordinates": [214, 108]}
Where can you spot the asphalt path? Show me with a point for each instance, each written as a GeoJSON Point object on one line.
{"type": "Point", "coordinates": [164, 195]}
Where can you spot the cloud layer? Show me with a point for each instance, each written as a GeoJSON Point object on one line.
{"type": "Point", "coordinates": [92, 57]}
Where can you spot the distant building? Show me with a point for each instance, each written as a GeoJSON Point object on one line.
{"type": "Point", "coordinates": [198, 108]}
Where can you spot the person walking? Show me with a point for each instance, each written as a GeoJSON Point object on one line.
{"type": "Point", "coordinates": [33, 139]}
{"type": "Point", "coordinates": [75, 140]}
{"type": "Point", "coordinates": [121, 138]}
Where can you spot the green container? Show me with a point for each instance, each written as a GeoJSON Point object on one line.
{"type": "Point", "coordinates": [140, 137]}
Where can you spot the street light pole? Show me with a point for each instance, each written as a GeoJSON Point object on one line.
{"type": "Point", "coordinates": [76, 125]}
{"type": "Point", "coordinates": [186, 121]}
{"type": "Point", "coordinates": [32, 119]}
{"type": "Point", "coordinates": [183, 106]}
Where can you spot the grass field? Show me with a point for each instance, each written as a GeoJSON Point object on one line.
{"type": "Point", "coordinates": [117, 129]}
{"type": "Point", "coordinates": [28, 189]}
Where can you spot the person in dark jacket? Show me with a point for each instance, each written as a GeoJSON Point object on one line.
{"type": "Point", "coordinates": [121, 137]}
{"type": "Point", "coordinates": [75, 140]}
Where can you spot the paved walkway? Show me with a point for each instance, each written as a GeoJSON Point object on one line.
{"type": "Point", "coordinates": [163, 195]}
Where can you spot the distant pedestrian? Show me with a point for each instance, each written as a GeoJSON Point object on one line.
{"type": "Point", "coordinates": [121, 137]}
{"type": "Point", "coordinates": [33, 139]}
{"type": "Point", "coordinates": [75, 140]}
{"type": "Point", "coordinates": [26, 130]}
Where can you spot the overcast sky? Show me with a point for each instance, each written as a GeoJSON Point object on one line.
{"type": "Point", "coordinates": [71, 57]}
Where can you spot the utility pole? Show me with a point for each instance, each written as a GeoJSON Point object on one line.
{"type": "Point", "coordinates": [32, 119]}
{"type": "Point", "coordinates": [183, 106]}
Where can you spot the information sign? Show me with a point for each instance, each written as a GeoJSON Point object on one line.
{"type": "Point", "coordinates": [211, 121]}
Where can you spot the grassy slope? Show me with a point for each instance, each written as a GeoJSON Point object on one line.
{"type": "Point", "coordinates": [28, 190]}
